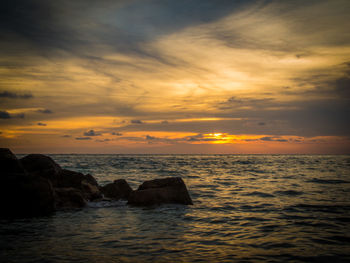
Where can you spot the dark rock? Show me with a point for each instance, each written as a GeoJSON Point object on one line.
{"type": "Point", "coordinates": [22, 195]}
{"type": "Point", "coordinates": [9, 164]}
{"type": "Point", "coordinates": [70, 179]}
{"type": "Point", "coordinates": [35, 196]}
{"type": "Point", "coordinates": [43, 166]}
{"type": "Point", "coordinates": [119, 189]}
{"type": "Point", "coordinates": [67, 198]}
{"type": "Point", "coordinates": [85, 183]}
{"type": "Point", "coordinates": [90, 191]}
{"type": "Point", "coordinates": [90, 179]}
{"type": "Point", "coordinates": [159, 191]}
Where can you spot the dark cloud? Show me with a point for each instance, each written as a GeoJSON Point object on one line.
{"type": "Point", "coordinates": [273, 139]}
{"type": "Point", "coordinates": [104, 140]}
{"type": "Point", "coordinates": [123, 26]}
{"type": "Point", "coordinates": [41, 124]}
{"type": "Point", "coordinates": [45, 111]}
{"type": "Point", "coordinates": [13, 95]}
{"type": "Point", "coordinates": [246, 103]}
{"type": "Point", "coordinates": [117, 133]}
{"type": "Point", "coordinates": [82, 138]}
{"type": "Point", "coordinates": [66, 136]}
{"type": "Point", "coordinates": [150, 138]}
{"type": "Point", "coordinates": [342, 86]}
{"type": "Point", "coordinates": [4, 115]}
{"type": "Point", "coordinates": [261, 123]}
{"type": "Point", "coordinates": [136, 122]}
{"type": "Point", "coordinates": [19, 115]}
{"type": "Point", "coordinates": [199, 138]}
{"type": "Point", "coordinates": [164, 122]}
{"type": "Point", "coordinates": [91, 133]}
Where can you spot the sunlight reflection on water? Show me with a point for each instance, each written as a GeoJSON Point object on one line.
{"type": "Point", "coordinates": [246, 208]}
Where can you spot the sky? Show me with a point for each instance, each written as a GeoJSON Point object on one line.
{"type": "Point", "coordinates": [166, 76]}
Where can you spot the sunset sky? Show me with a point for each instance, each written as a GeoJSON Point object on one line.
{"type": "Point", "coordinates": [175, 76]}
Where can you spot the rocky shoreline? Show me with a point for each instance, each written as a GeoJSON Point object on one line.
{"type": "Point", "coordinates": [36, 185]}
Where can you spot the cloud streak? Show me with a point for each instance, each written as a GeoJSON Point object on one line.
{"type": "Point", "coordinates": [138, 70]}
{"type": "Point", "coordinates": [13, 95]}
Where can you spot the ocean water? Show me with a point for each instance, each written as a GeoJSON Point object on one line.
{"type": "Point", "coordinates": [247, 208]}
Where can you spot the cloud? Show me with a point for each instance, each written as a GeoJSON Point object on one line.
{"type": "Point", "coordinates": [136, 122]}
{"type": "Point", "coordinates": [4, 115]}
{"type": "Point", "coordinates": [122, 26]}
{"type": "Point", "coordinates": [104, 140]}
{"type": "Point", "coordinates": [147, 61]}
{"type": "Point", "coordinates": [199, 138]}
{"type": "Point", "coordinates": [7, 115]}
{"type": "Point", "coordinates": [45, 111]}
{"type": "Point", "coordinates": [91, 133]}
{"type": "Point", "coordinates": [82, 138]}
{"type": "Point", "coordinates": [273, 139]}
{"type": "Point", "coordinates": [13, 95]}
{"type": "Point", "coordinates": [150, 138]}
{"type": "Point", "coordinates": [66, 136]}
{"type": "Point", "coordinates": [41, 124]}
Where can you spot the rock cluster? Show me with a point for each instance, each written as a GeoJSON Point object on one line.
{"type": "Point", "coordinates": [36, 185]}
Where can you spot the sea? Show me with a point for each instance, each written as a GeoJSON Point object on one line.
{"type": "Point", "coordinates": [247, 208]}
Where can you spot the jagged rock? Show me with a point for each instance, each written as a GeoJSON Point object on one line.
{"type": "Point", "coordinates": [119, 189]}
{"type": "Point", "coordinates": [159, 191]}
{"type": "Point", "coordinates": [22, 195]}
{"type": "Point", "coordinates": [69, 198]}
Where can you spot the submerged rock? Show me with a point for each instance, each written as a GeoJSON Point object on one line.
{"type": "Point", "coordinates": [160, 191]}
{"type": "Point", "coordinates": [119, 189]}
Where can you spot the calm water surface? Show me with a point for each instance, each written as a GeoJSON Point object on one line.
{"type": "Point", "coordinates": [247, 208]}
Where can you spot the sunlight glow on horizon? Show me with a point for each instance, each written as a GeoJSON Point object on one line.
{"type": "Point", "coordinates": [251, 79]}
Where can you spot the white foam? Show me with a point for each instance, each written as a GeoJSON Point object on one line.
{"type": "Point", "coordinates": [107, 203]}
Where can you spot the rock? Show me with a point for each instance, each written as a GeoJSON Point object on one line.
{"type": "Point", "coordinates": [43, 166]}
{"type": "Point", "coordinates": [90, 179]}
{"type": "Point", "coordinates": [22, 195]}
{"type": "Point", "coordinates": [90, 191]}
{"type": "Point", "coordinates": [85, 183]}
{"type": "Point", "coordinates": [67, 198]}
{"type": "Point", "coordinates": [9, 164]}
{"type": "Point", "coordinates": [119, 189]}
{"type": "Point", "coordinates": [159, 191]}
{"type": "Point", "coordinates": [36, 196]}
{"type": "Point", "coordinates": [70, 179]}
